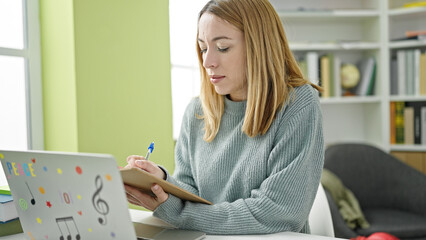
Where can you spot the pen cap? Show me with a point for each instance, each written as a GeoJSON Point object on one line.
{"type": "Point", "coordinates": [151, 147]}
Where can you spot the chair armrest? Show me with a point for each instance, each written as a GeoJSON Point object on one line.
{"type": "Point", "coordinates": [341, 230]}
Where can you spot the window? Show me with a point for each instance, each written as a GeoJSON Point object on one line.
{"type": "Point", "coordinates": [185, 73]}
{"type": "Point", "coordinates": [20, 84]}
{"type": "Point", "coordinates": [21, 125]}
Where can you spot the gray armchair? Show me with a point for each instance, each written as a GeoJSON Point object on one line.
{"type": "Point", "coordinates": [392, 195]}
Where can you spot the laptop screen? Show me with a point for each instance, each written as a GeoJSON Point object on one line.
{"type": "Point", "coordinates": [68, 195]}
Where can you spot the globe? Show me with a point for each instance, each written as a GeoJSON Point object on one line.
{"type": "Point", "coordinates": [349, 74]}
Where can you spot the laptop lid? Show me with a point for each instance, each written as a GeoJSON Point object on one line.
{"type": "Point", "coordinates": [68, 195]}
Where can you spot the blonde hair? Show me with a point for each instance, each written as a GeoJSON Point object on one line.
{"type": "Point", "coordinates": [271, 69]}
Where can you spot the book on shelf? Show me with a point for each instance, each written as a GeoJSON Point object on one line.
{"type": "Point", "coordinates": [399, 122]}
{"type": "Point", "coordinates": [10, 227]}
{"type": "Point", "coordinates": [392, 123]}
{"type": "Point", "coordinates": [400, 56]}
{"type": "Point", "coordinates": [417, 119]}
{"type": "Point", "coordinates": [337, 64]}
{"type": "Point", "coordinates": [423, 125]}
{"type": "Point", "coordinates": [416, 37]}
{"type": "Point", "coordinates": [415, 33]}
{"type": "Point", "coordinates": [367, 69]}
{"type": "Point", "coordinates": [325, 76]}
{"type": "Point", "coordinates": [7, 208]}
{"type": "Point", "coordinates": [408, 125]}
{"type": "Point", "coordinates": [415, 4]}
{"type": "Point", "coordinates": [312, 66]}
{"type": "Point", "coordinates": [394, 77]}
{"type": "Point", "coordinates": [422, 77]}
{"type": "Point", "coordinates": [409, 73]}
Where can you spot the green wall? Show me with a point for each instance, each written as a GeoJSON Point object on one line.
{"type": "Point", "coordinates": [106, 77]}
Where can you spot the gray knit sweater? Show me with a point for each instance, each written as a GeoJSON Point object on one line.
{"type": "Point", "coordinates": [258, 185]}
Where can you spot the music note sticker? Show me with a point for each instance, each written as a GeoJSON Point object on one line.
{"type": "Point", "coordinates": [100, 205]}
{"type": "Point", "coordinates": [33, 202]}
{"type": "Point", "coordinates": [23, 204]}
{"type": "Point", "coordinates": [72, 228]}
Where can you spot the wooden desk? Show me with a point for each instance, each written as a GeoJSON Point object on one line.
{"type": "Point", "coordinates": [147, 218]}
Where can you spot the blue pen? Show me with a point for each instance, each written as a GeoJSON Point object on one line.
{"type": "Point", "coordinates": [150, 149]}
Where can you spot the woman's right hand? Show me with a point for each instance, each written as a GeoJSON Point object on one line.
{"type": "Point", "coordinates": [142, 163]}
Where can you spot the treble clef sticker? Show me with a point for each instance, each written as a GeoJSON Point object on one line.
{"type": "Point", "coordinates": [100, 205]}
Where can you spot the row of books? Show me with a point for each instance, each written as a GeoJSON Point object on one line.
{"type": "Point", "coordinates": [325, 70]}
{"type": "Point", "coordinates": [408, 73]}
{"type": "Point", "coordinates": [408, 123]}
{"type": "Point", "coordinates": [9, 221]}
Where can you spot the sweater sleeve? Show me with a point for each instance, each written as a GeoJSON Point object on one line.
{"type": "Point", "coordinates": [284, 199]}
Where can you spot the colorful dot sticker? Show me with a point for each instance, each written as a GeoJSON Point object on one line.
{"type": "Point", "coordinates": [78, 170]}
{"type": "Point", "coordinates": [45, 168]}
{"type": "Point", "coordinates": [1, 156]}
{"type": "Point", "coordinates": [79, 197]}
{"type": "Point", "coordinates": [59, 171]}
{"type": "Point", "coordinates": [31, 236]}
{"type": "Point", "coordinates": [41, 189]}
{"type": "Point", "coordinates": [90, 230]}
{"type": "Point", "coordinates": [108, 177]}
{"type": "Point", "coordinates": [39, 220]}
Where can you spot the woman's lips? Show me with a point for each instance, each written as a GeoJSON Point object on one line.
{"type": "Point", "coordinates": [216, 78]}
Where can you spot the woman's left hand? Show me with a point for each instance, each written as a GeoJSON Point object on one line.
{"type": "Point", "coordinates": [145, 200]}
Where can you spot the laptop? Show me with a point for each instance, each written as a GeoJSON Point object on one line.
{"type": "Point", "coordinates": [75, 196]}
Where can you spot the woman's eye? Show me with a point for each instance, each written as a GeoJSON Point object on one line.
{"type": "Point", "coordinates": [223, 49]}
{"type": "Point", "coordinates": [203, 50]}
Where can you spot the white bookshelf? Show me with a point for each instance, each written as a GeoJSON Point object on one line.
{"type": "Point", "coordinates": [354, 29]}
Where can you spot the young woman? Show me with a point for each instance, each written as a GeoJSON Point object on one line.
{"type": "Point", "coordinates": [252, 143]}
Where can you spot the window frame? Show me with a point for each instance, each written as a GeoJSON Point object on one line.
{"type": "Point", "coordinates": [33, 85]}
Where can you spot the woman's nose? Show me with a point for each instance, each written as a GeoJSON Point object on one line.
{"type": "Point", "coordinates": [210, 60]}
